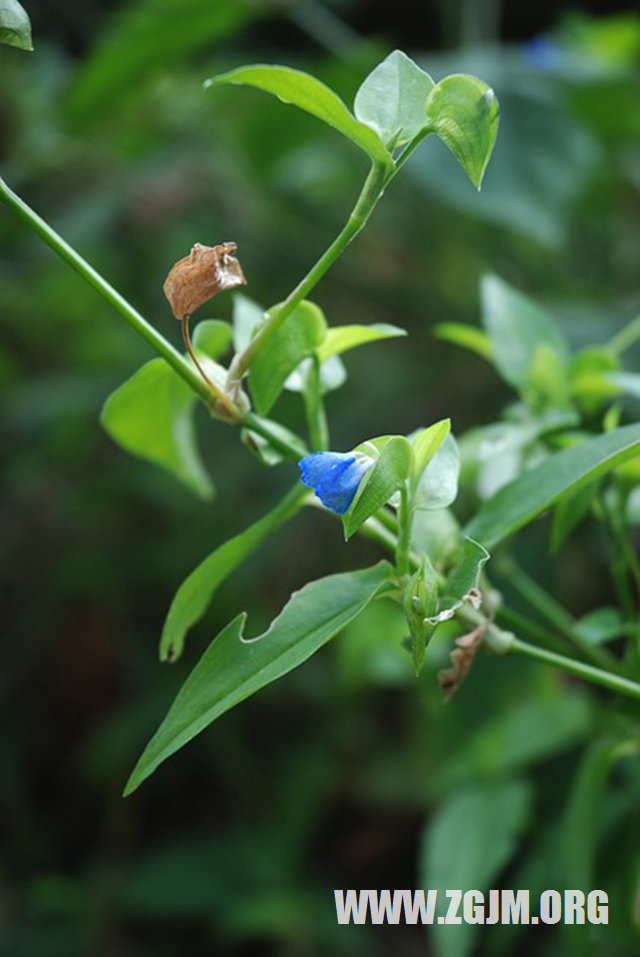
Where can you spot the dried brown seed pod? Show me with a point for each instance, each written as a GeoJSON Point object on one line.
{"type": "Point", "coordinates": [201, 275]}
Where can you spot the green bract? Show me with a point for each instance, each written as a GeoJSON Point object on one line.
{"type": "Point", "coordinates": [390, 471]}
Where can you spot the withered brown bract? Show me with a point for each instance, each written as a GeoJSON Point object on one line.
{"type": "Point", "coordinates": [462, 658]}
{"type": "Point", "coordinates": [201, 275]}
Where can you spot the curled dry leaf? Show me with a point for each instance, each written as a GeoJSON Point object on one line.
{"type": "Point", "coordinates": [462, 658]}
{"type": "Point", "coordinates": [201, 275]}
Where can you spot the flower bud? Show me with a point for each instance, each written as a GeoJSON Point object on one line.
{"type": "Point", "coordinates": [200, 276]}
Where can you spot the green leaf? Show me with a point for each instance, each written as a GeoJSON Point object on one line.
{"type": "Point", "coordinates": [582, 825]}
{"type": "Point", "coordinates": [392, 99]}
{"type": "Point", "coordinates": [332, 375]}
{"type": "Point", "coordinates": [465, 574]}
{"type": "Point", "coordinates": [15, 27]}
{"type": "Point", "coordinates": [308, 94]}
{"type": "Point", "coordinates": [151, 416]}
{"type": "Point", "coordinates": [467, 844]}
{"type": "Point", "coordinates": [535, 490]}
{"type": "Point", "coordinates": [438, 484]}
{"type": "Point", "coordinates": [518, 327]}
{"type": "Point", "coordinates": [213, 337]}
{"type": "Point", "coordinates": [601, 625]}
{"type": "Point", "coordinates": [426, 443]}
{"type": "Point", "coordinates": [461, 581]}
{"type": "Point", "coordinates": [569, 512]}
{"type": "Point", "coordinates": [195, 593]}
{"type": "Point", "coordinates": [144, 40]}
{"type": "Point", "coordinates": [531, 730]}
{"type": "Point", "coordinates": [627, 382]}
{"type": "Point", "coordinates": [383, 479]}
{"type": "Point", "coordinates": [247, 316]}
{"type": "Point", "coordinates": [232, 668]}
{"type": "Point", "coordinates": [283, 351]}
{"type": "Point", "coordinates": [464, 113]}
{"type": "Point", "coordinates": [469, 337]}
{"type": "Point", "coordinates": [341, 338]}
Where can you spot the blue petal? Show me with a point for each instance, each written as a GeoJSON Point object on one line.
{"type": "Point", "coordinates": [334, 477]}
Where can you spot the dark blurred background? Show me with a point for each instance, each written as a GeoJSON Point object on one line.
{"type": "Point", "coordinates": [329, 778]}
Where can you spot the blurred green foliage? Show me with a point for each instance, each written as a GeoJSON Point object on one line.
{"type": "Point", "coordinates": [349, 772]}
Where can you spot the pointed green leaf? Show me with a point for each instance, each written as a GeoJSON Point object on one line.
{"type": "Point", "coordinates": [151, 416]}
{"type": "Point", "coordinates": [469, 337]}
{"type": "Point", "coordinates": [438, 484]}
{"type": "Point", "coordinates": [464, 113]}
{"type": "Point", "coordinates": [283, 351]}
{"type": "Point", "coordinates": [341, 338]}
{"type": "Point", "coordinates": [15, 28]}
{"type": "Point", "coordinates": [518, 327]}
{"type": "Point", "coordinates": [380, 483]}
{"type": "Point", "coordinates": [534, 491]}
{"type": "Point", "coordinates": [233, 668]}
{"type": "Point", "coordinates": [485, 821]}
{"type": "Point", "coordinates": [308, 94]}
{"type": "Point", "coordinates": [426, 443]}
{"type": "Point", "coordinates": [392, 99]}
{"type": "Point", "coordinates": [196, 592]}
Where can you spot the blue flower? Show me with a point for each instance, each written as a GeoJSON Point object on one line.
{"type": "Point", "coordinates": [335, 476]}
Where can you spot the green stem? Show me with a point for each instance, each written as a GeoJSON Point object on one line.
{"type": "Point", "coordinates": [578, 668]}
{"type": "Point", "coordinates": [625, 338]}
{"type": "Point", "coordinates": [314, 407]}
{"type": "Point", "coordinates": [371, 193]}
{"type": "Point", "coordinates": [294, 450]}
{"type": "Point", "coordinates": [514, 620]}
{"type": "Point", "coordinates": [505, 642]}
{"type": "Point", "coordinates": [157, 341]}
{"type": "Point", "coordinates": [161, 345]}
{"type": "Point", "coordinates": [554, 613]}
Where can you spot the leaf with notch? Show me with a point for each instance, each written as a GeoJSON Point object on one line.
{"type": "Point", "coordinates": [308, 94]}
{"type": "Point", "coordinates": [392, 99]}
{"type": "Point", "coordinates": [232, 668]}
{"type": "Point", "coordinates": [381, 482]}
{"type": "Point", "coordinates": [463, 111]}
{"type": "Point", "coordinates": [283, 351]}
{"type": "Point", "coordinates": [15, 27]}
